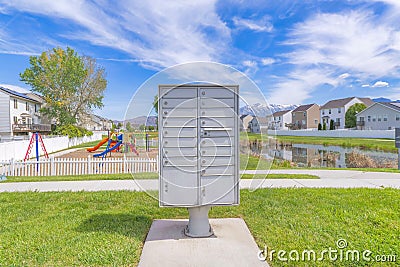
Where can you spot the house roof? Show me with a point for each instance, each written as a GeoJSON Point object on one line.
{"type": "Point", "coordinates": [393, 106]}
{"type": "Point", "coordinates": [337, 103]}
{"type": "Point", "coordinates": [280, 113]}
{"type": "Point", "coordinates": [303, 108]}
{"type": "Point", "coordinates": [17, 94]}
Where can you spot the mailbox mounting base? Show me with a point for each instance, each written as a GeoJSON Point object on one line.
{"type": "Point", "coordinates": [198, 226]}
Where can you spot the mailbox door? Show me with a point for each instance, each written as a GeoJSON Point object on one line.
{"type": "Point", "coordinates": [178, 152]}
{"type": "Point", "coordinates": [218, 146]}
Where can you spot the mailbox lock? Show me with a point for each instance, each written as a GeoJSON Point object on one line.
{"type": "Point", "coordinates": [203, 93]}
{"type": "Point", "coordinates": [166, 142]}
{"type": "Point", "coordinates": [204, 161]}
{"type": "Point", "coordinates": [165, 132]}
{"type": "Point", "coordinates": [203, 122]}
{"type": "Point", "coordinates": [165, 103]}
{"type": "Point", "coordinates": [165, 112]}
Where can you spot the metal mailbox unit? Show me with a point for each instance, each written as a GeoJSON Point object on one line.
{"type": "Point", "coordinates": [199, 150]}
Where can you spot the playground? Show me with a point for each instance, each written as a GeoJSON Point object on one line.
{"type": "Point", "coordinates": [116, 145]}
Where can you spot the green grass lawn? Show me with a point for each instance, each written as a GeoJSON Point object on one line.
{"type": "Point", "coordinates": [109, 228]}
{"type": "Point", "coordinates": [366, 143]}
{"type": "Point", "coordinates": [127, 176]}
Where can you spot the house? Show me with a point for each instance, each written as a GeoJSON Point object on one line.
{"type": "Point", "coordinates": [258, 124]}
{"type": "Point", "coordinates": [281, 119]}
{"type": "Point", "coordinates": [336, 109]}
{"type": "Point", "coordinates": [379, 116]}
{"type": "Point", "coordinates": [96, 123]}
{"type": "Point", "coordinates": [19, 114]}
{"type": "Point", "coordinates": [244, 122]}
{"type": "Point", "coordinates": [305, 117]}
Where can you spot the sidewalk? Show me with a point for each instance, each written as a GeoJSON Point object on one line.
{"type": "Point", "coordinates": [329, 179]}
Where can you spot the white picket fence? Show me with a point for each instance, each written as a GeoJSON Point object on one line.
{"type": "Point", "coordinates": [83, 166]}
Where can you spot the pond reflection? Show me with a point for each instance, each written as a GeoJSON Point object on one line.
{"type": "Point", "coordinates": [309, 155]}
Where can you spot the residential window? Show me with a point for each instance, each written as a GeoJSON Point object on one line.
{"type": "Point", "coordinates": [15, 120]}
{"type": "Point", "coordinates": [315, 121]}
{"type": "Point", "coordinates": [385, 117]}
{"type": "Point", "coordinates": [36, 108]}
{"type": "Point", "coordinates": [339, 110]}
{"type": "Point", "coordinates": [338, 120]}
{"type": "Point", "coordinates": [397, 118]}
{"type": "Point", "coordinates": [26, 106]}
{"type": "Point", "coordinates": [330, 111]}
{"type": "Point", "coordinates": [323, 112]}
{"type": "Point", "coordinates": [361, 118]}
{"type": "Point", "coordinates": [15, 103]}
{"type": "Point", "coordinates": [373, 118]}
{"type": "Point", "coordinates": [369, 118]}
{"type": "Point", "coordinates": [379, 118]}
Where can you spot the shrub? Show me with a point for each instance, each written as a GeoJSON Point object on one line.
{"type": "Point", "coordinates": [319, 127]}
{"type": "Point", "coordinates": [324, 126]}
{"type": "Point", "coordinates": [331, 125]}
{"type": "Point", "coordinates": [72, 131]}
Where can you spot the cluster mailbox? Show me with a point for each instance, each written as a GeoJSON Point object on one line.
{"type": "Point", "coordinates": [199, 137]}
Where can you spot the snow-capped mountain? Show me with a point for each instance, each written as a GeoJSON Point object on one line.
{"type": "Point", "coordinates": [385, 100]}
{"type": "Point", "coordinates": [261, 110]}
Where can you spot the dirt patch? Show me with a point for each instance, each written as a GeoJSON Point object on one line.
{"type": "Point", "coordinates": [82, 153]}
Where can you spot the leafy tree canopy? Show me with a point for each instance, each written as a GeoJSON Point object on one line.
{"type": "Point", "coordinates": [350, 117]}
{"type": "Point", "coordinates": [71, 85]}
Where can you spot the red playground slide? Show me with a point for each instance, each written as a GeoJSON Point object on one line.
{"type": "Point", "coordinates": [91, 149]}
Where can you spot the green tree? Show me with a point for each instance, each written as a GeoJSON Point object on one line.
{"type": "Point", "coordinates": [129, 127]}
{"type": "Point", "coordinates": [331, 125]}
{"type": "Point", "coordinates": [155, 104]}
{"type": "Point", "coordinates": [113, 127]}
{"type": "Point", "coordinates": [324, 126]}
{"type": "Point", "coordinates": [350, 117]}
{"type": "Point", "coordinates": [119, 125]}
{"type": "Point", "coordinates": [71, 85]}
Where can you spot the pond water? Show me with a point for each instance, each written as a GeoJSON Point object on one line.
{"type": "Point", "coordinates": [309, 155]}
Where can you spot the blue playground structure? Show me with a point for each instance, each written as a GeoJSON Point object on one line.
{"type": "Point", "coordinates": [111, 146]}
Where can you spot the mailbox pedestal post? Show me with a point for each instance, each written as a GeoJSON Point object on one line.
{"type": "Point", "coordinates": [199, 225]}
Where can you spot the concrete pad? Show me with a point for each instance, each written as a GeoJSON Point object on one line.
{"type": "Point", "coordinates": [231, 245]}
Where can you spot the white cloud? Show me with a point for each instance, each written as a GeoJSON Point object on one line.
{"type": "Point", "coordinates": [260, 25]}
{"type": "Point", "coordinates": [267, 61]}
{"type": "Point", "coordinates": [327, 47]}
{"type": "Point", "coordinates": [157, 32]}
{"type": "Point", "coordinates": [298, 85]}
{"type": "Point", "coordinates": [344, 75]}
{"type": "Point", "coordinates": [352, 40]}
{"type": "Point", "coordinates": [380, 84]}
{"type": "Point", "coordinates": [365, 85]}
{"type": "Point", "coordinates": [250, 63]}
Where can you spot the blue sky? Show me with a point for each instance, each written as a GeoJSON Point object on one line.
{"type": "Point", "coordinates": [295, 51]}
